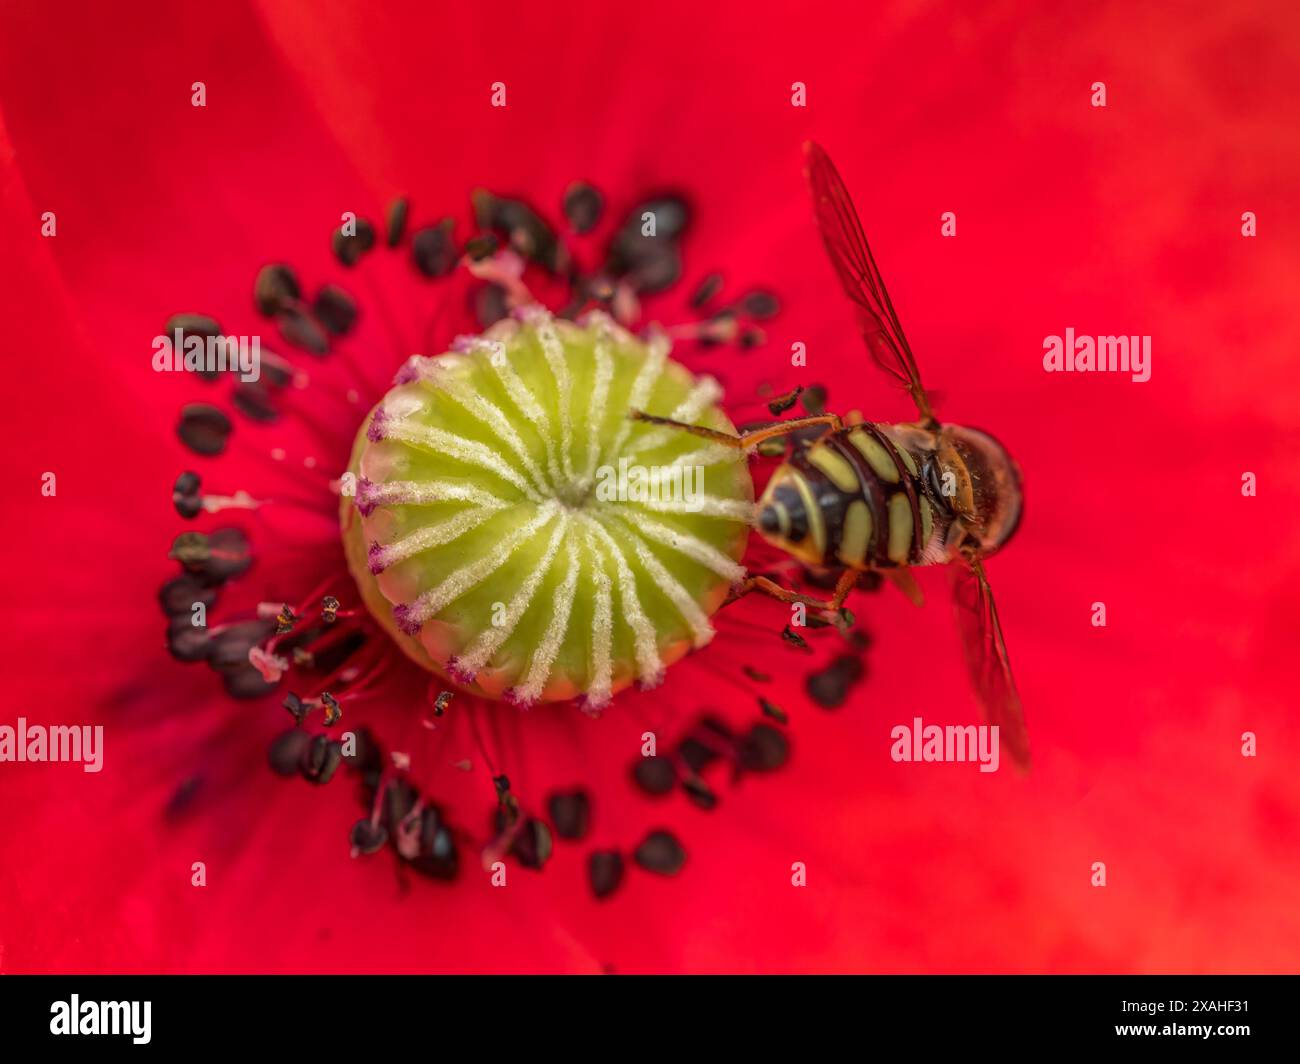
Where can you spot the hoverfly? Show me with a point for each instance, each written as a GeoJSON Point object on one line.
{"type": "Point", "coordinates": [887, 497]}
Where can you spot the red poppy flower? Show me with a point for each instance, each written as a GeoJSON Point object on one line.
{"type": "Point", "coordinates": [1123, 218]}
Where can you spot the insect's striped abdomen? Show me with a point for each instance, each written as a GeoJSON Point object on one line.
{"type": "Point", "coordinates": [853, 498]}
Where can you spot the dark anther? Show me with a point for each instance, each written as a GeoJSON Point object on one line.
{"type": "Point", "coordinates": [333, 711]}
{"type": "Point", "coordinates": [441, 703]}
{"type": "Point", "coordinates": [182, 798]}
{"type": "Point", "coordinates": [228, 555]}
{"type": "Point", "coordinates": [502, 784]}
{"type": "Point", "coordinates": [399, 800]}
{"type": "Point", "coordinates": [756, 675]}
{"type": "Point", "coordinates": [650, 263]}
{"type": "Point", "coordinates": [528, 234]}
{"type": "Point", "coordinates": [433, 250]}
{"type": "Point", "coordinates": [763, 749]}
{"type": "Point", "coordinates": [285, 620]}
{"type": "Point", "coordinates": [231, 645]}
{"type": "Point", "coordinates": [367, 837]}
{"type": "Point", "coordinates": [186, 641]}
{"type": "Point", "coordinates": [794, 638]}
{"type": "Point", "coordinates": [706, 290]}
{"type": "Point", "coordinates": [329, 609]}
{"type": "Point", "coordinates": [532, 845]}
{"type": "Point", "coordinates": [336, 309]}
{"type": "Point", "coordinates": [582, 207]}
{"type": "Point", "coordinates": [699, 793]}
{"type": "Point", "coordinates": [349, 249]}
{"type": "Point", "coordinates": [295, 706]}
{"type": "Point", "coordinates": [661, 853]}
{"type": "Point", "coordinates": [696, 753]}
{"type": "Point", "coordinates": [193, 325]}
{"type": "Point", "coordinates": [252, 399]}
{"type": "Point", "coordinates": [437, 854]}
{"type": "Point", "coordinates": [366, 755]}
{"type": "Point", "coordinates": [481, 247]}
{"type": "Point", "coordinates": [774, 711]}
{"type": "Point", "coordinates": [286, 752]}
{"type": "Point", "coordinates": [203, 428]}
{"type": "Point", "coordinates": [759, 304]}
{"type": "Point", "coordinates": [179, 595]}
{"type": "Point", "coordinates": [751, 338]}
{"type": "Point", "coordinates": [830, 687]}
{"type": "Point", "coordinates": [244, 682]}
{"type": "Point", "coordinates": [303, 331]}
{"type": "Point", "coordinates": [783, 403]}
{"type": "Point", "coordinates": [191, 549]}
{"type": "Point", "coordinates": [275, 288]}
{"type": "Point", "coordinates": [814, 399]}
{"type": "Point", "coordinates": [654, 775]}
{"type": "Point", "coordinates": [604, 872]}
{"type": "Point", "coordinates": [671, 216]}
{"type": "Point", "coordinates": [395, 220]}
{"type": "Point", "coordinates": [321, 759]}
{"type": "Point", "coordinates": [185, 495]}
{"type": "Point", "coordinates": [571, 813]}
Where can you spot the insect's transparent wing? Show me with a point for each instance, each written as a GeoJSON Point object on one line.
{"type": "Point", "coordinates": [851, 257]}
{"type": "Point", "coordinates": [986, 655]}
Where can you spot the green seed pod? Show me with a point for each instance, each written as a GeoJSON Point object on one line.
{"type": "Point", "coordinates": [519, 534]}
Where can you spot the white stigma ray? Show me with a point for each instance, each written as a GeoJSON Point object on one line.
{"type": "Point", "coordinates": [649, 665]}
{"type": "Point", "coordinates": [600, 681]}
{"type": "Point", "coordinates": [435, 535]}
{"type": "Point", "coordinates": [487, 412]}
{"type": "Point", "coordinates": [429, 492]}
{"type": "Point", "coordinates": [702, 505]}
{"type": "Point", "coordinates": [539, 668]}
{"type": "Point", "coordinates": [599, 395]}
{"type": "Point", "coordinates": [686, 544]}
{"type": "Point", "coordinates": [706, 392]}
{"type": "Point", "coordinates": [435, 600]}
{"type": "Point", "coordinates": [554, 352]}
{"type": "Point", "coordinates": [471, 452]}
{"type": "Point", "coordinates": [480, 652]}
{"type": "Point", "coordinates": [642, 387]}
{"type": "Point", "coordinates": [701, 630]}
{"type": "Point", "coordinates": [521, 395]}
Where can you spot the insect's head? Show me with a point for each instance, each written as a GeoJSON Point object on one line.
{"type": "Point", "coordinates": [789, 519]}
{"type": "Point", "coordinates": [988, 484]}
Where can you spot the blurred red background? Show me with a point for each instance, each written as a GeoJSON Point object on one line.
{"type": "Point", "coordinates": [1123, 219]}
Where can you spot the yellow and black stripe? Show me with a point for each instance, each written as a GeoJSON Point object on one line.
{"type": "Point", "coordinates": [853, 498]}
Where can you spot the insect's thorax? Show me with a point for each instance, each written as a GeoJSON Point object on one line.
{"type": "Point", "coordinates": [881, 496]}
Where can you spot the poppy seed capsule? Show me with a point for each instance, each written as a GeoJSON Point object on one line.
{"type": "Point", "coordinates": [519, 534]}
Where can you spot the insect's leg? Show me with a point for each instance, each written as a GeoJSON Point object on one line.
{"type": "Point", "coordinates": [848, 579]}
{"type": "Point", "coordinates": [745, 439]}
{"type": "Point", "coordinates": [847, 582]}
